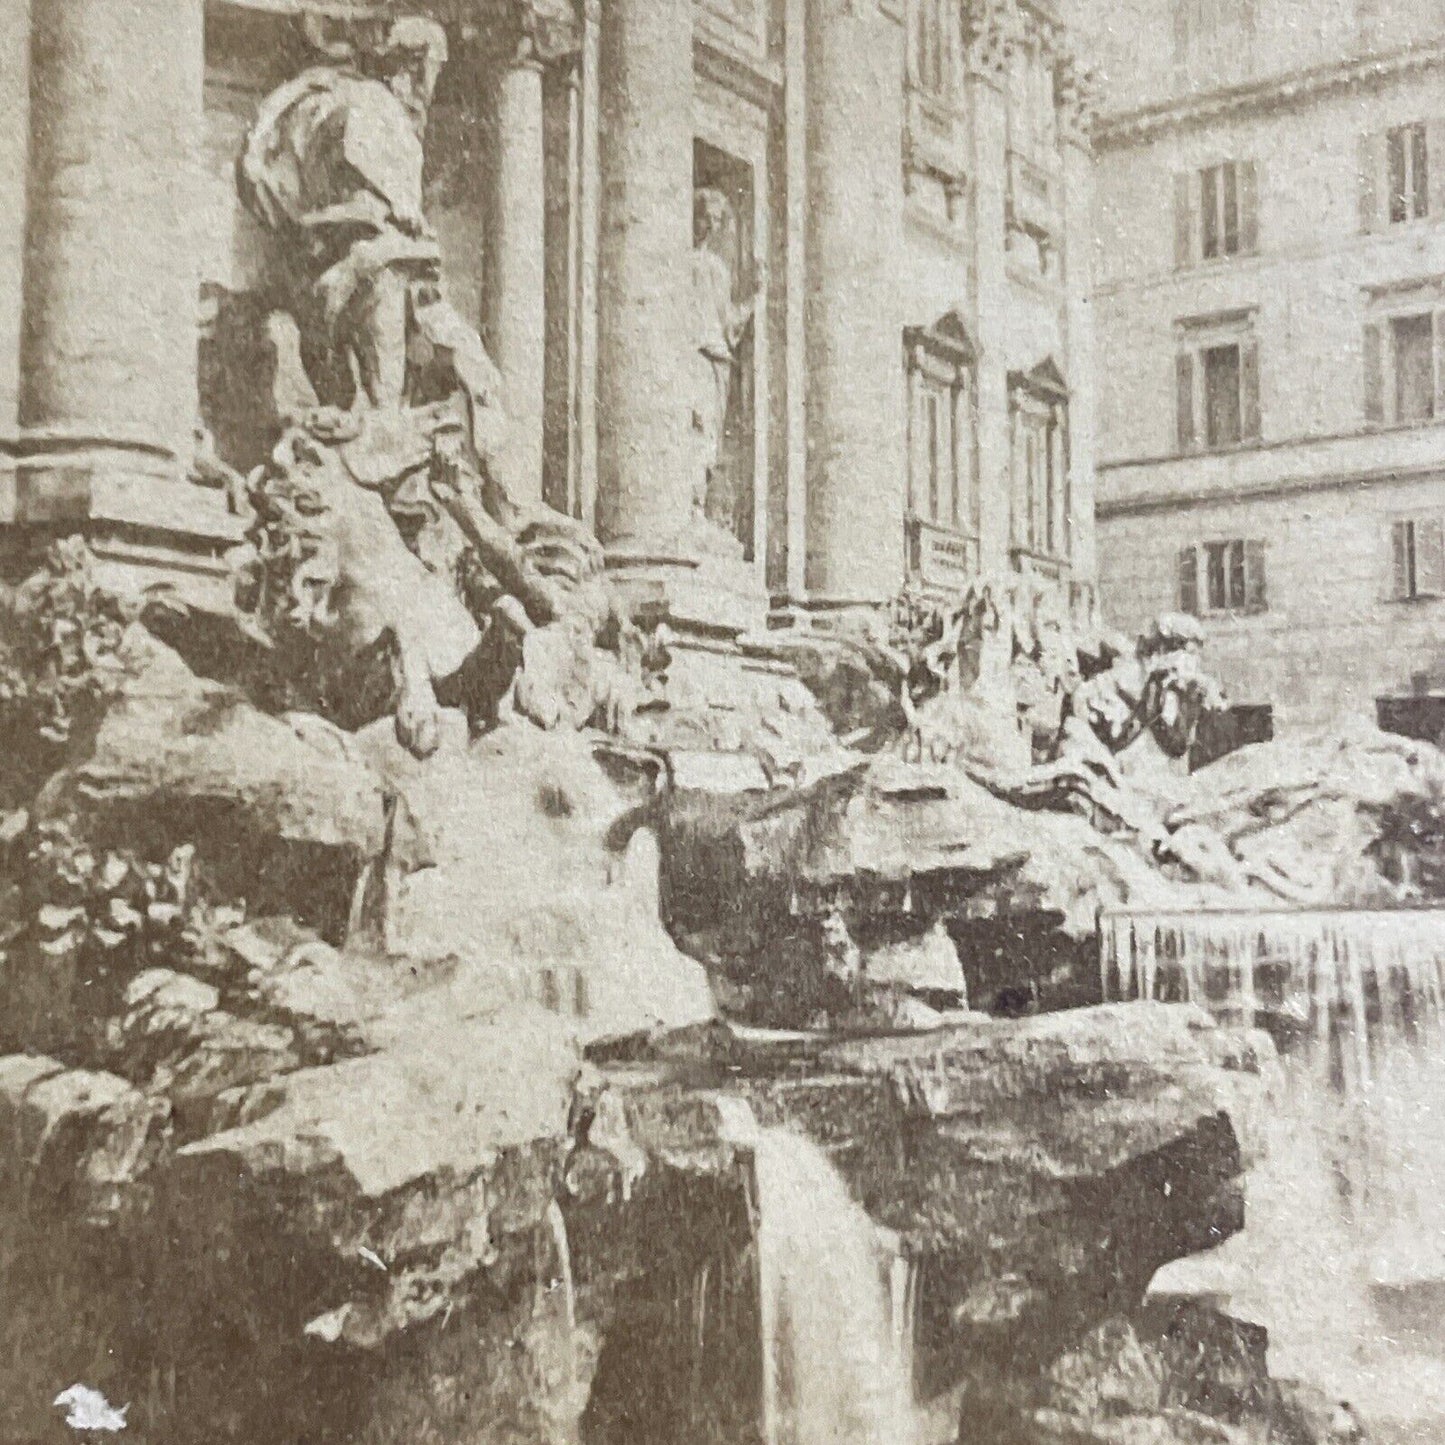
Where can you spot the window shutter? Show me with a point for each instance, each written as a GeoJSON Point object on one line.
{"type": "Point", "coordinates": [1184, 190]}
{"type": "Point", "coordinates": [1439, 358]}
{"type": "Point", "coordinates": [1435, 164]}
{"type": "Point", "coordinates": [1374, 373]}
{"type": "Point", "coordinates": [1189, 580]}
{"type": "Point", "coordinates": [1254, 594]}
{"type": "Point", "coordinates": [1248, 207]}
{"type": "Point", "coordinates": [1184, 399]}
{"type": "Point", "coordinates": [1429, 556]}
{"type": "Point", "coordinates": [1400, 588]}
{"type": "Point", "coordinates": [1371, 164]}
{"type": "Point", "coordinates": [1249, 390]}
{"type": "Point", "coordinates": [1235, 591]}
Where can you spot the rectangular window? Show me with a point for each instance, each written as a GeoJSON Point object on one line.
{"type": "Point", "coordinates": [941, 487]}
{"type": "Point", "coordinates": [1417, 555]}
{"type": "Point", "coordinates": [1216, 384]}
{"type": "Point", "coordinates": [1401, 174]}
{"type": "Point", "coordinates": [1219, 211]}
{"type": "Point", "coordinates": [1413, 344]}
{"type": "Point", "coordinates": [1222, 577]}
{"type": "Point", "coordinates": [932, 46]}
{"type": "Point", "coordinates": [1408, 172]}
{"type": "Point", "coordinates": [1403, 374]}
{"type": "Point", "coordinates": [941, 530]}
{"type": "Point", "coordinates": [1216, 212]}
{"type": "Point", "coordinates": [1222, 415]}
{"type": "Point", "coordinates": [1041, 486]}
{"type": "Point", "coordinates": [941, 482]}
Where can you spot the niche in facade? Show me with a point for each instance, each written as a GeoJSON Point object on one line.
{"type": "Point", "coordinates": [725, 278]}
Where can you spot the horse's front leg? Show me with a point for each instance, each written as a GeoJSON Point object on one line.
{"type": "Point", "coordinates": [418, 714]}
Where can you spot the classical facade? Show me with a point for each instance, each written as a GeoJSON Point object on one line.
{"type": "Point", "coordinates": [1271, 278]}
{"type": "Point", "coordinates": [789, 298]}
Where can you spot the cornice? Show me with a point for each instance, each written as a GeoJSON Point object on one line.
{"type": "Point", "coordinates": [1130, 127]}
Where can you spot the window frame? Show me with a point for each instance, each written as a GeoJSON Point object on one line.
{"type": "Point", "coordinates": [1417, 557]}
{"type": "Point", "coordinates": [941, 370]}
{"type": "Point", "coordinates": [1239, 566]}
{"type": "Point", "coordinates": [1041, 521]}
{"type": "Point", "coordinates": [933, 70]}
{"type": "Point", "coordinates": [1216, 203]}
{"type": "Point", "coordinates": [1425, 183]}
{"type": "Point", "coordinates": [1385, 308]}
{"type": "Point", "coordinates": [1413, 193]}
{"type": "Point", "coordinates": [1194, 338]}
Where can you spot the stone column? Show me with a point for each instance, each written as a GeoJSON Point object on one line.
{"type": "Point", "coordinates": [1077, 91]}
{"type": "Point", "coordinates": [993, 28]}
{"type": "Point", "coordinates": [108, 354]}
{"type": "Point", "coordinates": [644, 264]}
{"type": "Point", "coordinates": [856, 468]}
{"type": "Point", "coordinates": [14, 145]}
{"type": "Point", "coordinates": [586, 239]}
{"type": "Point", "coordinates": [514, 304]}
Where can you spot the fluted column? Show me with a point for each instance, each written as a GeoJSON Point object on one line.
{"type": "Point", "coordinates": [993, 29]}
{"type": "Point", "coordinates": [515, 290]}
{"type": "Point", "coordinates": [856, 466]}
{"type": "Point", "coordinates": [523, 39]}
{"type": "Point", "coordinates": [644, 263]}
{"type": "Point", "coordinates": [107, 398]}
{"type": "Point", "coordinates": [1077, 95]}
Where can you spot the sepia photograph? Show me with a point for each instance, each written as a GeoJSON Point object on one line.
{"type": "Point", "coordinates": [722, 722]}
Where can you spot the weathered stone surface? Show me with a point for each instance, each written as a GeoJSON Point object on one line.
{"type": "Point", "coordinates": [1042, 1169]}
{"type": "Point", "coordinates": [74, 1139]}
{"type": "Point", "coordinates": [530, 894]}
{"type": "Point", "coordinates": [287, 813]}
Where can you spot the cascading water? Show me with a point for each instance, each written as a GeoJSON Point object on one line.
{"type": "Point", "coordinates": [1343, 1251]}
{"type": "Point", "coordinates": [835, 1306]}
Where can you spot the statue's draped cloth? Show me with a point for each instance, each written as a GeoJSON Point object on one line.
{"type": "Point", "coordinates": [334, 168]}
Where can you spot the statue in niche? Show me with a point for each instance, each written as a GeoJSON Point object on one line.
{"type": "Point", "coordinates": [388, 569]}
{"type": "Point", "coordinates": [721, 324]}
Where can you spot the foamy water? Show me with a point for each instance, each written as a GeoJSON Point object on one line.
{"type": "Point", "coordinates": [836, 1326]}
{"type": "Point", "coordinates": [1343, 1253]}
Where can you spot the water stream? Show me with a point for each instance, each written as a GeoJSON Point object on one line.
{"type": "Point", "coordinates": [1343, 1252]}
{"type": "Point", "coordinates": [836, 1301]}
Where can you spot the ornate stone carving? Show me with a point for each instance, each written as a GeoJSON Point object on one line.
{"type": "Point", "coordinates": [993, 29]}
{"type": "Point", "coordinates": [1077, 94]}
{"type": "Point", "coordinates": [332, 171]}
{"type": "Point", "coordinates": [539, 32]}
{"type": "Point", "coordinates": [389, 568]}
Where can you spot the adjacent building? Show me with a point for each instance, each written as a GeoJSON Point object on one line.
{"type": "Point", "coordinates": [1270, 306]}
{"type": "Point", "coordinates": [907, 193]}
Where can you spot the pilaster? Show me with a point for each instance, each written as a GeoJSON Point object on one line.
{"type": "Point", "coordinates": [645, 257]}
{"type": "Point", "coordinates": [856, 465]}
{"type": "Point", "coordinates": [524, 38]}
{"type": "Point", "coordinates": [992, 29]}
{"type": "Point", "coordinates": [107, 401]}
{"type": "Point", "coordinates": [1077, 95]}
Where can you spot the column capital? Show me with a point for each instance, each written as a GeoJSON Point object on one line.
{"type": "Point", "coordinates": [532, 32]}
{"type": "Point", "coordinates": [1078, 90]}
{"type": "Point", "coordinates": [993, 30]}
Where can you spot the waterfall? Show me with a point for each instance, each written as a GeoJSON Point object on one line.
{"type": "Point", "coordinates": [1343, 1251]}
{"type": "Point", "coordinates": [836, 1300]}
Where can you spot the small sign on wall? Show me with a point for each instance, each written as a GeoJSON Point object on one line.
{"type": "Point", "coordinates": [940, 557]}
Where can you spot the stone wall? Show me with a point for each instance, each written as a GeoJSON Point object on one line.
{"type": "Point", "coordinates": [1322, 486]}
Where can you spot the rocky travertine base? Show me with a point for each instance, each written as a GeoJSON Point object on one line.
{"type": "Point", "coordinates": [473, 1232]}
